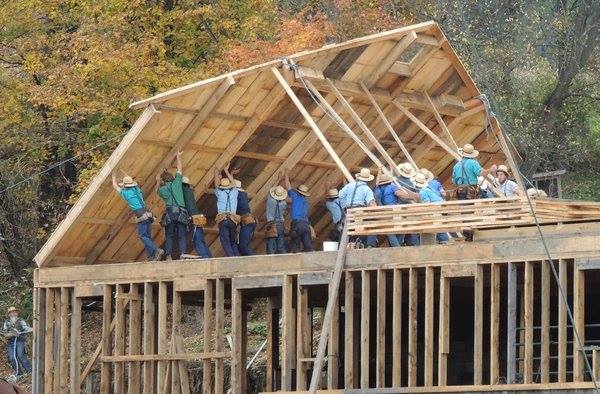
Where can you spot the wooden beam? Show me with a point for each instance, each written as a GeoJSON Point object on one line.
{"type": "Point", "coordinates": [444, 331]}
{"type": "Point", "coordinates": [495, 323]}
{"type": "Point", "coordinates": [397, 328]}
{"type": "Point", "coordinates": [162, 333]}
{"type": "Point", "coordinates": [219, 333]}
{"type": "Point", "coordinates": [365, 322]}
{"type": "Point", "coordinates": [106, 339]}
{"type": "Point", "coordinates": [562, 323]}
{"type": "Point", "coordinates": [135, 338]}
{"type": "Point", "coordinates": [49, 341]}
{"type": "Point", "coordinates": [271, 360]}
{"type": "Point", "coordinates": [579, 323]}
{"type": "Point", "coordinates": [511, 323]}
{"type": "Point", "coordinates": [333, 349]}
{"type": "Point", "coordinates": [119, 339]}
{"type": "Point", "coordinates": [528, 289]}
{"type": "Point", "coordinates": [380, 349]}
{"type": "Point", "coordinates": [170, 356]}
{"type": "Point", "coordinates": [384, 66]}
{"type": "Point", "coordinates": [478, 326]}
{"type": "Point", "coordinates": [39, 325]}
{"type": "Point", "coordinates": [440, 121]}
{"type": "Point", "coordinates": [402, 69]}
{"type": "Point", "coordinates": [312, 124]}
{"type": "Point", "coordinates": [74, 380]}
{"type": "Point", "coordinates": [303, 343]}
{"type": "Point", "coordinates": [413, 288]}
{"type": "Point", "coordinates": [209, 326]}
{"type": "Point", "coordinates": [288, 332]}
{"type": "Point", "coordinates": [350, 372]}
{"type": "Point", "coordinates": [64, 339]}
{"type": "Point", "coordinates": [238, 364]}
{"type": "Point", "coordinates": [175, 331]}
{"type": "Point", "coordinates": [429, 305]}
{"type": "Point", "coordinates": [545, 323]}
{"type": "Point", "coordinates": [148, 337]}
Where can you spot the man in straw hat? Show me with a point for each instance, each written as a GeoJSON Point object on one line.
{"type": "Point", "coordinates": [359, 194]}
{"type": "Point", "coordinates": [176, 218]}
{"type": "Point", "coordinates": [301, 230]}
{"type": "Point", "coordinates": [334, 206]}
{"type": "Point", "coordinates": [466, 171]}
{"type": "Point", "coordinates": [275, 213]}
{"type": "Point", "coordinates": [427, 194]}
{"type": "Point", "coordinates": [248, 222]}
{"type": "Point", "coordinates": [508, 187]}
{"type": "Point", "coordinates": [434, 183]}
{"type": "Point", "coordinates": [227, 218]}
{"type": "Point", "coordinates": [196, 226]}
{"type": "Point", "coordinates": [15, 329]}
{"type": "Point", "coordinates": [134, 197]}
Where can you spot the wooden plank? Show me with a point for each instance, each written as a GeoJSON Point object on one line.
{"type": "Point", "coordinates": [494, 323]}
{"type": "Point", "coordinates": [588, 263]}
{"type": "Point", "coordinates": [478, 325]}
{"type": "Point", "coordinates": [75, 350]}
{"type": "Point", "coordinates": [189, 284]}
{"type": "Point", "coordinates": [381, 316]}
{"type": "Point", "coordinates": [397, 328]}
{"type": "Point", "coordinates": [238, 364]}
{"type": "Point", "coordinates": [313, 278]}
{"type": "Point", "coordinates": [511, 323]}
{"type": "Point", "coordinates": [135, 339]}
{"type": "Point", "coordinates": [219, 333]}
{"type": "Point", "coordinates": [255, 282]}
{"type": "Point", "coordinates": [303, 333]}
{"type": "Point", "coordinates": [384, 66]}
{"type": "Point", "coordinates": [413, 284]}
{"type": "Point", "coordinates": [208, 335]}
{"type": "Point", "coordinates": [39, 325]}
{"type": "Point", "coordinates": [49, 342]}
{"type": "Point", "coordinates": [270, 359]}
{"type": "Point", "coordinates": [562, 323]}
{"type": "Point", "coordinates": [162, 333]}
{"type": "Point", "coordinates": [183, 371]}
{"type": "Point", "coordinates": [444, 331]}
{"type": "Point", "coordinates": [148, 340]}
{"type": "Point", "coordinates": [579, 323]}
{"type": "Point", "coordinates": [365, 321]}
{"type": "Point", "coordinates": [440, 121]}
{"type": "Point", "coordinates": [350, 372]}
{"type": "Point", "coordinates": [429, 305]}
{"type": "Point", "coordinates": [288, 332]}
{"type": "Point", "coordinates": [57, 336]}
{"type": "Point", "coordinates": [119, 341]}
{"type": "Point", "coordinates": [545, 323]}
{"type": "Point", "coordinates": [596, 364]}
{"type": "Point", "coordinates": [333, 349]}
{"type": "Point", "coordinates": [312, 123]}
{"type": "Point", "coordinates": [170, 356]}
{"type": "Point", "coordinates": [175, 330]}
{"type": "Point", "coordinates": [83, 291]}
{"type": "Point", "coordinates": [64, 339]}
{"type": "Point", "coordinates": [106, 339]}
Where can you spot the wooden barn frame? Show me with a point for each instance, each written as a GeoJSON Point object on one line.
{"type": "Point", "coordinates": [400, 95]}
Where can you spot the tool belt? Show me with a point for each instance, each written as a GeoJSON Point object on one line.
{"type": "Point", "coordinates": [248, 219]}
{"type": "Point", "coordinates": [228, 215]}
{"type": "Point", "coordinates": [147, 215]}
{"type": "Point", "coordinates": [199, 220]}
{"type": "Point", "coordinates": [271, 229]}
{"type": "Point", "coordinates": [465, 192]}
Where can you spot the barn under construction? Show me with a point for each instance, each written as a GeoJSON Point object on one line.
{"type": "Point", "coordinates": [486, 315]}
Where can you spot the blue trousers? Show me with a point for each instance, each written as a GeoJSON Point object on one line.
{"type": "Point", "coordinates": [301, 234]}
{"type": "Point", "coordinates": [144, 230]}
{"type": "Point", "coordinates": [15, 350]}
{"type": "Point", "coordinates": [442, 237]}
{"type": "Point", "coordinates": [228, 235]}
{"type": "Point", "coordinates": [199, 244]}
{"type": "Point", "coordinates": [175, 228]}
{"type": "Point", "coordinates": [368, 241]}
{"type": "Point", "coordinates": [246, 236]}
{"type": "Point", "coordinates": [277, 245]}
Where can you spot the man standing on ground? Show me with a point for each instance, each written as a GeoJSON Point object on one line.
{"type": "Point", "coordinates": [301, 231]}
{"type": "Point", "coordinates": [15, 329]}
{"type": "Point", "coordinates": [133, 196]}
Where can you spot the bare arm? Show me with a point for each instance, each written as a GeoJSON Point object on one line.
{"type": "Point", "coordinates": [115, 183]}
{"type": "Point", "coordinates": [228, 174]}
{"type": "Point", "coordinates": [407, 195]}
{"type": "Point", "coordinates": [372, 203]}
{"type": "Point", "coordinates": [157, 183]}
{"type": "Point", "coordinates": [217, 177]}
{"type": "Point", "coordinates": [486, 171]}
{"type": "Point", "coordinates": [179, 166]}
{"type": "Point", "coordinates": [286, 178]}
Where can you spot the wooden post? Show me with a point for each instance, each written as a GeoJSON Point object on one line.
{"type": "Point", "coordinates": [511, 323]}
{"type": "Point", "coordinates": [562, 323]}
{"type": "Point", "coordinates": [429, 298]}
{"type": "Point", "coordinates": [397, 328]}
{"type": "Point", "coordinates": [413, 287]}
{"type": "Point", "coordinates": [162, 333]}
{"type": "Point", "coordinates": [288, 332]}
{"type": "Point", "coordinates": [365, 322]}
{"type": "Point", "coordinates": [302, 337]}
{"type": "Point", "coordinates": [478, 326]}
{"type": "Point", "coordinates": [312, 123]}
{"type": "Point", "coordinates": [135, 338]}
{"type": "Point", "coordinates": [350, 373]}
{"type": "Point", "coordinates": [440, 121]}
{"type": "Point", "coordinates": [444, 331]}
{"type": "Point", "coordinates": [64, 339]}
{"type": "Point", "coordinates": [380, 345]}
{"type": "Point", "coordinates": [388, 125]}
{"type": "Point", "coordinates": [270, 344]}
{"type": "Point", "coordinates": [238, 364]}
{"type": "Point", "coordinates": [494, 323]}
{"type": "Point", "coordinates": [119, 342]}
{"type": "Point", "coordinates": [56, 340]}
{"type": "Point", "coordinates": [545, 324]}
{"type": "Point", "coordinates": [149, 346]}
{"type": "Point", "coordinates": [208, 336]}
{"type": "Point", "coordinates": [219, 334]}
{"type": "Point", "coordinates": [579, 323]}
{"type": "Point", "coordinates": [106, 339]}
{"type": "Point", "coordinates": [175, 327]}
{"type": "Point", "coordinates": [333, 350]}
{"type": "Point", "coordinates": [528, 290]}
{"type": "Point", "coordinates": [75, 382]}
{"type": "Point", "coordinates": [49, 342]}
{"type": "Point", "coordinates": [39, 325]}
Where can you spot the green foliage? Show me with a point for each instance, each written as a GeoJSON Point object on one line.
{"type": "Point", "coordinates": [581, 185]}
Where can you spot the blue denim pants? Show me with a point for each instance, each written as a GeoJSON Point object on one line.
{"type": "Point", "coordinates": [277, 245]}
{"type": "Point", "coordinates": [301, 234]}
{"type": "Point", "coordinates": [173, 229]}
{"type": "Point", "coordinates": [15, 350]}
{"type": "Point", "coordinates": [246, 236]}
{"type": "Point", "coordinates": [144, 230]}
{"type": "Point", "coordinates": [199, 244]}
{"type": "Point", "coordinates": [228, 235]}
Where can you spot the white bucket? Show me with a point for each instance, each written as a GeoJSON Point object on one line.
{"type": "Point", "coordinates": [330, 246]}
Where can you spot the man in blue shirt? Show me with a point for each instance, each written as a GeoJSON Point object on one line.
{"type": "Point", "coordinates": [133, 196]}
{"type": "Point", "coordinates": [387, 193]}
{"type": "Point", "coordinates": [359, 194]}
{"type": "Point", "coordinates": [196, 226]}
{"type": "Point", "coordinates": [405, 179]}
{"type": "Point", "coordinates": [427, 194]}
{"type": "Point", "coordinates": [227, 219]}
{"type": "Point", "coordinates": [334, 206]}
{"type": "Point", "coordinates": [275, 213]}
{"type": "Point", "coordinates": [301, 231]}
{"type": "Point", "coordinates": [247, 224]}
{"type": "Point", "coordinates": [466, 171]}
{"type": "Point", "coordinates": [434, 183]}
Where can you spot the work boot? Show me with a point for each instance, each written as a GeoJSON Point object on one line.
{"type": "Point", "coordinates": [158, 254]}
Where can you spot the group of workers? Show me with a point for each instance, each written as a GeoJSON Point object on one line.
{"type": "Point", "coordinates": [236, 224]}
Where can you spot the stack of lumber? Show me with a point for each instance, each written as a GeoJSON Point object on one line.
{"type": "Point", "coordinates": [465, 215]}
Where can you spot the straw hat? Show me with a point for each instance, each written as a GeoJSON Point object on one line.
{"type": "Point", "coordinates": [128, 182]}
{"type": "Point", "coordinates": [11, 309]}
{"type": "Point", "coordinates": [364, 175]}
{"type": "Point", "coordinates": [238, 185]}
{"type": "Point", "coordinates": [225, 184]}
{"type": "Point", "coordinates": [332, 193]}
{"type": "Point", "coordinates": [502, 168]}
{"type": "Point", "coordinates": [185, 180]}
{"type": "Point", "coordinates": [303, 189]}
{"type": "Point", "coordinates": [384, 179]}
{"type": "Point", "coordinates": [468, 151]}
{"type": "Point", "coordinates": [428, 174]}
{"type": "Point", "coordinates": [406, 170]}
{"type": "Point", "coordinates": [278, 193]}
{"type": "Point", "coordinates": [421, 180]}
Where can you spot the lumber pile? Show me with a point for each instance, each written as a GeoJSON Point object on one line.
{"type": "Point", "coordinates": [465, 215]}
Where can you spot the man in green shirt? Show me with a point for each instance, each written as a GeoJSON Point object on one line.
{"type": "Point", "coordinates": [176, 218]}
